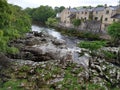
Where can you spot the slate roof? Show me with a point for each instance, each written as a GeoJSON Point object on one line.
{"type": "Point", "coordinates": [98, 9]}
{"type": "Point", "coordinates": [72, 10]}
{"type": "Point", "coordinates": [116, 16]}
{"type": "Point", "coordinates": [71, 15]}
{"type": "Point", "coordinates": [85, 9]}
{"type": "Point", "coordinates": [114, 7]}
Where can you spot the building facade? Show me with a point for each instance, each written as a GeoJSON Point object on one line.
{"type": "Point", "coordinates": [105, 15]}
{"type": "Point", "coordinates": [66, 16]}
{"type": "Point", "coordinates": [110, 15]}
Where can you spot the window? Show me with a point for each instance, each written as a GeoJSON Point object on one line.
{"type": "Point", "coordinates": [82, 12]}
{"type": "Point", "coordinates": [113, 20]}
{"type": "Point", "coordinates": [106, 19]}
{"type": "Point", "coordinates": [96, 18]}
{"type": "Point", "coordinates": [107, 12]}
{"type": "Point", "coordinates": [96, 12]}
{"type": "Point", "coordinates": [85, 18]}
{"type": "Point", "coordinates": [68, 12]}
{"type": "Point", "coordinates": [85, 12]}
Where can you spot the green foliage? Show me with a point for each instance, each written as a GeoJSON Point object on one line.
{"type": "Point", "coordinates": [109, 55]}
{"type": "Point", "coordinates": [20, 20]}
{"type": "Point", "coordinates": [30, 11]}
{"type": "Point", "coordinates": [12, 85]}
{"type": "Point", "coordinates": [4, 14]}
{"type": "Point", "coordinates": [100, 6]}
{"type": "Point", "coordinates": [92, 45]}
{"type": "Point", "coordinates": [51, 22]}
{"type": "Point", "coordinates": [12, 50]}
{"type": "Point", "coordinates": [76, 22]}
{"type": "Point", "coordinates": [73, 32]}
{"type": "Point", "coordinates": [42, 13]}
{"type": "Point", "coordinates": [12, 33]}
{"type": "Point", "coordinates": [114, 31]}
{"type": "Point", "coordinates": [59, 9]}
{"type": "Point", "coordinates": [91, 86]}
{"type": "Point", "coordinates": [14, 22]}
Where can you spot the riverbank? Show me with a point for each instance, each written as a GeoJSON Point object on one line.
{"type": "Point", "coordinates": [45, 62]}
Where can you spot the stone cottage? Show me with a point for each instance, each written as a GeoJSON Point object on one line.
{"type": "Point", "coordinates": [66, 16]}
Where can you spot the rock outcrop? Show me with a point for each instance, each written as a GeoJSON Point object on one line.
{"type": "Point", "coordinates": [41, 47]}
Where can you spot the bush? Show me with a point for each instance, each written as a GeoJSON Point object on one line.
{"type": "Point", "coordinates": [109, 55]}
{"type": "Point", "coordinates": [76, 22]}
{"type": "Point", "coordinates": [114, 31]}
{"type": "Point", "coordinates": [92, 45]}
{"type": "Point", "coordinates": [51, 22]}
{"type": "Point", "coordinates": [14, 22]}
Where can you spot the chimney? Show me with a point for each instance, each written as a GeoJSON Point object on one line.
{"type": "Point", "coordinates": [105, 5]}
{"type": "Point", "coordinates": [69, 8]}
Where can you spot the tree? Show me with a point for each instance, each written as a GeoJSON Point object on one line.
{"type": "Point", "coordinates": [42, 13]}
{"type": "Point", "coordinates": [76, 22]}
{"type": "Point", "coordinates": [20, 20]}
{"type": "Point", "coordinates": [100, 6]}
{"type": "Point", "coordinates": [59, 9]}
{"type": "Point", "coordinates": [52, 22]}
{"type": "Point", "coordinates": [114, 31]}
{"type": "Point", "coordinates": [14, 22]}
{"type": "Point", "coordinates": [5, 13]}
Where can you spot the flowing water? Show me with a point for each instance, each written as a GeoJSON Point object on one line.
{"type": "Point", "coordinates": [71, 42]}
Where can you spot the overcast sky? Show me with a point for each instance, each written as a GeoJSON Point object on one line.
{"type": "Point", "coordinates": [66, 3]}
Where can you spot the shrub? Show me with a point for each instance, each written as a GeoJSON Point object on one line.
{"type": "Point", "coordinates": [51, 21]}
{"type": "Point", "coordinates": [114, 31]}
{"type": "Point", "coordinates": [92, 45]}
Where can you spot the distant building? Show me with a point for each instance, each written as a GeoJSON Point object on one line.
{"type": "Point", "coordinates": [98, 13]}
{"type": "Point", "coordinates": [111, 14]}
{"type": "Point", "coordinates": [84, 13]}
{"type": "Point", "coordinates": [104, 14]}
{"type": "Point", "coordinates": [66, 16]}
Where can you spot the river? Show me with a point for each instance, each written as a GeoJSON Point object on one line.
{"type": "Point", "coordinates": [71, 42]}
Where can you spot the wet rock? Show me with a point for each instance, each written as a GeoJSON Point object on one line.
{"type": "Point", "coordinates": [32, 41]}
{"type": "Point", "coordinates": [4, 60]}
{"type": "Point", "coordinates": [42, 47]}
{"type": "Point", "coordinates": [58, 42]}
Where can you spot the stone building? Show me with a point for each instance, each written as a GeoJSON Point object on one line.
{"type": "Point", "coordinates": [105, 15]}
{"type": "Point", "coordinates": [111, 14]}
{"type": "Point", "coordinates": [98, 13]}
{"type": "Point", "coordinates": [66, 16]}
{"type": "Point", "coordinates": [84, 13]}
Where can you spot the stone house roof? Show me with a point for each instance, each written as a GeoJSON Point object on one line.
{"type": "Point", "coordinates": [99, 9]}
{"type": "Point", "coordinates": [114, 7]}
{"type": "Point", "coordinates": [72, 10]}
{"type": "Point", "coordinates": [72, 16]}
{"type": "Point", "coordinates": [116, 16]}
{"type": "Point", "coordinates": [85, 9]}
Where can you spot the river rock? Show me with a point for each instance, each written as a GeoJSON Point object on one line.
{"type": "Point", "coordinates": [4, 61]}
{"type": "Point", "coordinates": [42, 47]}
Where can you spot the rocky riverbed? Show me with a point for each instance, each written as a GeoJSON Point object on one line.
{"type": "Point", "coordinates": [46, 63]}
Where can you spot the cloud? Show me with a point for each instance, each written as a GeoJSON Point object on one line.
{"type": "Point", "coordinates": [66, 3]}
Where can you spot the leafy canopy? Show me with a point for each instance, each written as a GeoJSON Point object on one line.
{"type": "Point", "coordinates": [42, 13]}
{"type": "Point", "coordinates": [14, 22]}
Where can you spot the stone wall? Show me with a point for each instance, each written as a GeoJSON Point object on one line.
{"type": "Point", "coordinates": [92, 26]}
